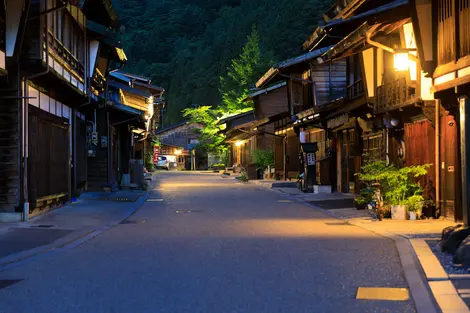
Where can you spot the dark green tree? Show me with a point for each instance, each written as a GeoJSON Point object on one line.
{"type": "Point", "coordinates": [187, 45]}
{"type": "Point", "coordinates": [242, 74]}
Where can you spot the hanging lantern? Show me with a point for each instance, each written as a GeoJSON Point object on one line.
{"type": "Point", "coordinates": [400, 60]}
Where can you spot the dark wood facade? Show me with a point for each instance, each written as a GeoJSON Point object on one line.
{"type": "Point", "coordinates": [52, 59]}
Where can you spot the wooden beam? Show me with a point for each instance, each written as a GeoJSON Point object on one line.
{"type": "Point", "coordinates": [451, 84]}
{"type": "Point", "coordinates": [452, 67]}
{"type": "Point", "coordinates": [302, 80]}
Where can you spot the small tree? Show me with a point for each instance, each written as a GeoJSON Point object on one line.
{"type": "Point", "coordinates": [263, 158]}
{"type": "Point", "coordinates": [210, 140]}
{"type": "Point", "coordinates": [243, 73]}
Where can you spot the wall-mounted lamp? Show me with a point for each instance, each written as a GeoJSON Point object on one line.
{"type": "Point", "coordinates": [238, 143]}
{"type": "Point", "coordinates": [401, 60]}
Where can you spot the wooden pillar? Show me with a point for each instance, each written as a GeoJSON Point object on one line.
{"type": "Point", "coordinates": [464, 106]}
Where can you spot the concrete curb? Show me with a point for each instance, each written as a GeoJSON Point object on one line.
{"type": "Point", "coordinates": [68, 242]}
{"type": "Point", "coordinates": [420, 290]}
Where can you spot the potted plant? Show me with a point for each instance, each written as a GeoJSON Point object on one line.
{"type": "Point", "coordinates": [360, 202]}
{"type": "Point", "coordinates": [298, 177]}
{"type": "Point", "coordinates": [403, 190]}
{"type": "Point", "coordinates": [398, 186]}
{"type": "Point", "coordinates": [414, 205]}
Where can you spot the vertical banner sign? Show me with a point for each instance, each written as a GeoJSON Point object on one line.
{"type": "Point", "coordinates": [311, 159]}
{"type": "Point", "coordinates": [156, 150]}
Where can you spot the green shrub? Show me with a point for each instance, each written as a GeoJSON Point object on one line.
{"type": "Point", "coordinates": [398, 186]}
{"type": "Point", "coordinates": [149, 160]}
{"type": "Point", "coordinates": [243, 176]}
{"type": "Point", "coordinates": [263, 158]}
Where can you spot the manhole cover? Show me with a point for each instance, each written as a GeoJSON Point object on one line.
{"type": "Point", "coordinates": [43, 226]}
{"type": "Point", "coordinates": [8, 282]}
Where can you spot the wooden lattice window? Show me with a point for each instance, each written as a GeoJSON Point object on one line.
{"type": "Point", "coordinates": [373, 148]}
{"type": "Point", "coordinates": [446, 32]}
{"type": "Point", "coordinates": [464, 27]}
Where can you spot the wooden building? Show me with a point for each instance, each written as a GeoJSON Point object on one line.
{"type": "Point", "coordinates": [311, 86]}
{"type": "Point", "coordinates": [241, 142]}
{"type": "Point", "coordinates": [406, 90]}
{"type": "Point", "coordinates": [443, 47]}
{"type": "Point", "coordinates": [55, 58]}
{"type": "Point", "coordinates": [270, 105]}
{"type": "Point", "coordinates": [129, 118]}
{"type": "Point", "coordinates": [185, 136]}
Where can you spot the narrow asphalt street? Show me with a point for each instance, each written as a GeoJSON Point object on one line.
{"type": "Point", "coordinates": [213, 245]}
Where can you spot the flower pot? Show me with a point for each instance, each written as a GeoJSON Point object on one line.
{"type": "Point", "coordinates": [398, 212]}
{"type": "Point", "coordinates": [412, 216]}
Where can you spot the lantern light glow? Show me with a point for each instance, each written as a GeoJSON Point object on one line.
{"type": "Point", "coordinates": [401, 61]}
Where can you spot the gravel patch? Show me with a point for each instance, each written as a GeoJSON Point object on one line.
{"type": "Point", "coordinates": [445, 259]}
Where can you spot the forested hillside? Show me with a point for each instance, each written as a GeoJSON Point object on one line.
{"type": "Point", "coordinates": [187, 45]}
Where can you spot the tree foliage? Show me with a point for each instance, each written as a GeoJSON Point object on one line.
{"type": "Point", "coordinates": [235, 87]}
{"type": "Point", "coordinates": [187, 45]}
{"type": "Point", "coordinates": [399, 186]}
{"type": "Point", "coordinates": [210, 139]}
{"type": "Point", "coordinates": [243, 73]}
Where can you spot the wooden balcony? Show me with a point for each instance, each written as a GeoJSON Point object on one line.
{"type": "Point", "coordinates": [394, 95]}
{"type": "Point", "coordinates": [355, 90]}
{"type": "Point", "coordinates": [99, 81]}
{"type": "Point", "coordinates": [65, 55]}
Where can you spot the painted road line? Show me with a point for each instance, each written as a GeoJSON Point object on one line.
{"type": "Point", "coordinates": [390, 294]}
{"type": "Point", "coordinates": [284, 201]}
{"type": "Point", "coordinates": [154, 200]}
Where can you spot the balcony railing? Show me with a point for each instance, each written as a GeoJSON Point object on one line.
{"type": "Point", "coordinates": [394, 95]}
{"type": "Point", "coordinates": [355, 90]}
{"type": "Point", "coordinates": [99, 81]}
{"type": "Point", "coordinates": [66, 56]}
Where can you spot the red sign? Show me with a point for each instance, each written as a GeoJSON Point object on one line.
{"type": "Point", "coordinates": [156, 150]}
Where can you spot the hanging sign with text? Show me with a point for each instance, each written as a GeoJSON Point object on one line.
{"type": "Point", "coordinates": [311, 159]}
